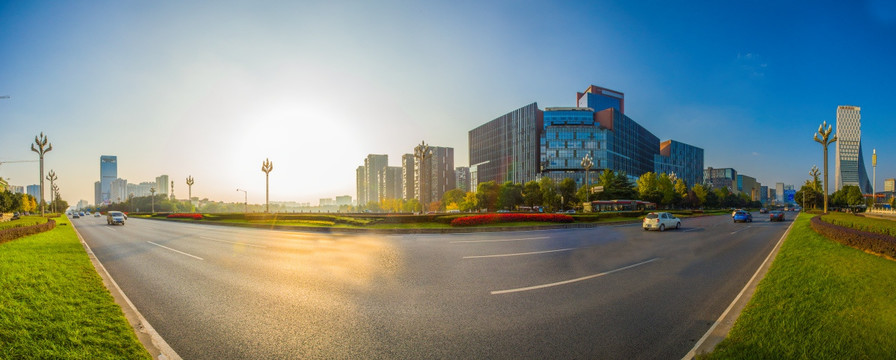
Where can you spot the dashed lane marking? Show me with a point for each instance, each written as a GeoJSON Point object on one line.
{"type": "Point", "coordinates": [517, 254]}
{"type": "Point", "coordinates": [542, 286]}
{"type": "Point", "coordinates": [177, 251]}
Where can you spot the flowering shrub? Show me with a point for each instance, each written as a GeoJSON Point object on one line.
{"type": "Point", "coordinates": [878, 243]}
{"type": "Point", "coordinates": [185, 216]}
{"type": "Point", "coordinates": [503, 218]}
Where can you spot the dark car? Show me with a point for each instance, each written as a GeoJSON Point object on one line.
{"type": "Point", "coordinates": [743, 216]}
{"type": "Point", "coordinates": [776, 216]}
{"type": "Point", "coordinates": [763, 211]}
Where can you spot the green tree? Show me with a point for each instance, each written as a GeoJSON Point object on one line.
{"type": "Point", "coordinates": [667, 190]}
{"type": "Point", "coordinates": [412, 205]}
{"type": "Point", "coordinates": [487, 195]}
{"type": "Point", "coordinates": [532, 195]}
{"type": "Point", "coordinates": [567, 190]}
{"type": "Point", "coordinates": [469, 203]}
{"type": "Point", "coordinates": [550, 196]}
{"type": "Point", "coordinates": [648, 188]}
{"type": "Point", "coordinates": [453, 198]}
{"type": "Point", "coordinates": [853, 197]}
{"type": "Point", "coordinates": [700, 193]}
{"type": "Point", "coordinates": [510, 196]}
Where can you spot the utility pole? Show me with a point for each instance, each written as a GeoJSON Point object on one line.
{"type": "Point", "coordinates": [43, 147]}
{"type": "Point", "coordinates": [267, 166]}
{"type": "Point", "coordinates": [825, 140]}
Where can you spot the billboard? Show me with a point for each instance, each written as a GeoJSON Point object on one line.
{"type": "Point", "coordinates": [788, 196]}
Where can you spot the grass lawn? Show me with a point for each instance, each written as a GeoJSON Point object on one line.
{"type": "Point", "coordinates": [819, 300]}
{"type": "Point", "coordinates": [53, 305]}
{"type": "Point", "coordinates": [23, 221]}
{"type": "Point", "coordinates": [875, 225]}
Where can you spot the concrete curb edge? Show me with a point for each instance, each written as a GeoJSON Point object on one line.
{"type": "Point", "coordinates": [151, 340]}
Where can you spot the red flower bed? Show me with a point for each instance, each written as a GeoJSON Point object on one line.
{"type": "Point", "coordinates": [502, 218]}
{"type": "Point", "coordinates": [185, 216]}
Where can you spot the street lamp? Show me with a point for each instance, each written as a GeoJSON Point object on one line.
{"type": "Point", "coordinates": [51, 176]}
{"type": "Point", "coordinates": [825, 131]}
{"type": "Point", "coordinates": [54, 194]}
{"type": "Point", "coordinates": [152, 191]}
{"type": "Point", "coordinates": [267, 166]}
{"type": "Point", "coordinates": [873, 178]}
{"type": "Point", "coordinates": [190, 189]}
{"type": "Point", "coordinates": [43, 147]}
{"type": "Point", "coordinates": [246, 194]}
{"type": "Point", "coordinates": [587, 163]}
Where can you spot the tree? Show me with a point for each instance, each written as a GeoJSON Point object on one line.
{"type": "Point", "coordinates": [412, 205]}
{"type": "Point", "coordinates": [487, 195]}
{"type": "Point", "coordinates": [648, 188]}
{"type": "Point", "coordinates": [510, 196]}
{"type": "Point", "coordinates": [712, 200]}
{"type": "Point", "coordinates": [700, 193]}
{"type": "Point", "coordinates": [666, 189]}
{"type": "Point", "coordinates": [453, 198]}
{"type": "Point", "coordinates": [532, 195]}
{"type": "Point", "coordinates": [854, 197]}
{"type": "Point", "coordinates": [550, 196]}
{"type": "Point", "coordinates": [567, 190]}
{"type": "Point", "coordinates": [469, 203]}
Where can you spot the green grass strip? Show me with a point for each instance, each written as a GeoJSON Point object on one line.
{"type": "Point", "coordinates": [819, 300]}
{"type": "Point", "coordinates": [53, 304]}
{"type": "Point", "coordinates": [22, 222]}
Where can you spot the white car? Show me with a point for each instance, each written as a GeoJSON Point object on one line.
{"type": "Point", "coordinates": [661, 221]}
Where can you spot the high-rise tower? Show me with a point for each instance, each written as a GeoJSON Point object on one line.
{"type": "Point", "coordinates": [108, 173]}
{"type": "Point", "coordinates": [849, 164]}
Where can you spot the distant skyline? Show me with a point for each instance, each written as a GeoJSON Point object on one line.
{"type": "Point", "coordinates": [211, 90]}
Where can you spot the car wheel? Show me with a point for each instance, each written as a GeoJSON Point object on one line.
{"type": "Point", "coordinates": [678, 225]}
{"type": "Point", "coordinates": [645, 229]}
{"type": "Point", "coordinates": [662, 227]}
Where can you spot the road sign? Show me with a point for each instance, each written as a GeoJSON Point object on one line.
{"type": "Point", "coordinates": [597, 189]}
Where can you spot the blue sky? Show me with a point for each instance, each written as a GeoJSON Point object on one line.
{"type": "Point", "coordinates": [186, 88]}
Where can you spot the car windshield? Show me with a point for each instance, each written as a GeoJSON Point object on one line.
{"type": "Point", "coordinates": [652, 216]}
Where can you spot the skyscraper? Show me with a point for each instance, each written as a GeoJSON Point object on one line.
{"type": "Point", "coordinates": [407, 176]}
{"type": "Point", "coordinates": [108, 173]}
{"type": "Point", "coordinates": [849, 164]}
{"type": "Point", "coordinates": [162, 185]}
{"type": "Point", "coordinates": [506, 148]}
{"type": "Point", "coordinates": [683, 160]}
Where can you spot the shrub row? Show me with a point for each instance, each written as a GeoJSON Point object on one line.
{"type": "Point", "coordinates": [878, 243]}
{"type": "Point", "coordinates": [503, 218]}
{"type": "Point", "coordinates": [15, 233]}
{"type": "Point", "coordinates": [885, 227]}
{"type": "Point", "coordinates": [193, 216]}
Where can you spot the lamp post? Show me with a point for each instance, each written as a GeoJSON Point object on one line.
{"type": "Point", "coordinates": [152, 191]}
{"type": "Point", "coordinates": [51, 176]}
{"type": "Point", "coordinates": [825, 131]}
{"type": "Point", "coordinates": [587, 163]}
{"type": "Point", "coordinates": [873, 177]}
{"type": "Point", "coordinates": [246, 194]}
{"type": "Point", "coordinates": [54, 194]}
{"type": "Point", "coordinates": [267, 166]}
{"type": "Point", "coordinates": [190, 189]}
{"type": "Point", "coordinates": [43, 147]}
{"type": "Point", "coordinates": [421, 152]}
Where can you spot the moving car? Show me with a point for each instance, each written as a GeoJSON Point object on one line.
{"type": "Point", "coordinates": [114, 217]}
{"type": "Point", "coordinates": [742, 216]}
{"type": "Point", "coordinates": [96, 214]}
{"type": "Point", "coordinates": [776, 216]}
{"type": "Point", "coordinates": [75, 216]}
{"type": "Point", "coordinates": [735, 212]}
{"type": "Point", "coordinates": [763, 211]}
{"type": "Point", "coordinates": [660, 221]}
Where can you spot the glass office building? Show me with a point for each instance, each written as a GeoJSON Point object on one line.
{"type": "Point", "coordinates": [849, 163]}
{"type": "Point", "coordinates": [108, 174]}
{"type": "Point", "coordinates": [683, 160]}
{"type": "Point", "coordinates": [599, 98]}
{"type": "Point", "coordinates": [507, 148]}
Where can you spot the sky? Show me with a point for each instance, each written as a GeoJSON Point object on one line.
{"type": "Point", "coordinates": [212, 89]}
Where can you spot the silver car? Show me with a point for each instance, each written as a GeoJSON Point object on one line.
{"type": "Point", "coordinates": [115, 217]}
{"type": "Point", "coordinates": [661, 221]}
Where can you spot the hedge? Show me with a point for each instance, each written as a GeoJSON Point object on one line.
{"type": "Point", "coordinates": [502, 218]}
{"type": "Point", "coordinates": [874, 242]}
{"type": "Point", "coordinates": [18, 232]}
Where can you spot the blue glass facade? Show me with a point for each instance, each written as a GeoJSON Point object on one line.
{"type": "Point", "coordinates": [685, 161]}
{"type": "Point", "coordinates": [507, 148]}
{"type": "Point", "coordinates": [598, 99]}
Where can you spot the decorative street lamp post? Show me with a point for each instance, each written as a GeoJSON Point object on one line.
{"type": "Point", "coordinates": [421, 152]}
{"type": "Point", "coordinates": [43, 147]}
{"type": "Point", "coordinates": [190, 188]}
{"type": "Point", "coordinates": [873, 177]}
{"type": "Point", "coordinates": [267, 166]}
{"type": "Point", "coordinates": [825, 131]}
{"type": "Point", "coordinates": [587, 163]}
{"type": "Point", "coordinates": [51, 176]}
{"type": "Point", "coordinates": [152, 191]}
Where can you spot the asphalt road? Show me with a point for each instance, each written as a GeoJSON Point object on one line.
{"type": "Point", "coordinates": [611, 292]}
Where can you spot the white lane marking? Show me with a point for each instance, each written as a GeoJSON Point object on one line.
{"type": "Point", "coordinates": [232, 242]}
{"type": "Point", "coordinates": [177, 251]}
{"type": "Point", "coordinates": [739, 230]}
{"type": "Point", "coordinates": [536, 287]}
{"type": "Point", "coordinates": [108, 228]}
{"type": "Point", "coordinates": [516, 254]}
{"type": "Point", "coordinates": [498, 240]}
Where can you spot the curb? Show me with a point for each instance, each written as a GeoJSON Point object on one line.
{"type": "Point", "coordinates": [720, 329]}
{"type": "Point", "coordinates": [151, 340]}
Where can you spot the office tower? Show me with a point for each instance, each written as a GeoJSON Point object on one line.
{"type": "Point", "coordinates": [97, 193]}
{"type": "Point", "coordinates": [162, 185]}
{"type": "Point", "coordinates": [34, 191]}
{"type": "Point", "coordinates": [683, 160]}
{"type": "Point", "coordinates": [779, 192]}
{"type": "Point", "coordinates": [361, 185]}
{"type": "Point", "coordinates": [343, 200]}
{"type": "Point", "coordinates": [438, 172]}
{"type": "Point", "coordinates": [408, 188]}
{"type": "Point", "coordinates": [763, 194]}
{"type": "Point", "coordinates": [748, 185]}
{"type": "Point", "coordinates": [849, 163]}
{"type": "Point", "coordinates": [108, 173]}
{"type": "Point", "coordinates": [890, 185]}
{"type": "Point", "coordinates": [507, 148]}
{"type": "Point", "coordinates": [715, 178]}
{"type": "Point", "coordinates": [598, 99]}
{"type": "Point", "coordinates": [368, 178]}
{"type": "Point", "coordinates": [462, 178]}
{"type": "Point", "coordinates": [118, 191]}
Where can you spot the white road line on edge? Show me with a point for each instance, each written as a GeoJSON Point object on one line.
{"type": "Point", "coordinates": [516, 254]}
{"type": "Point", "coordinates": [499, 292]}
{"type": "Point", "coordinates": [498, 240]}
{"type": "Point", "coordinates": [177, 251]}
